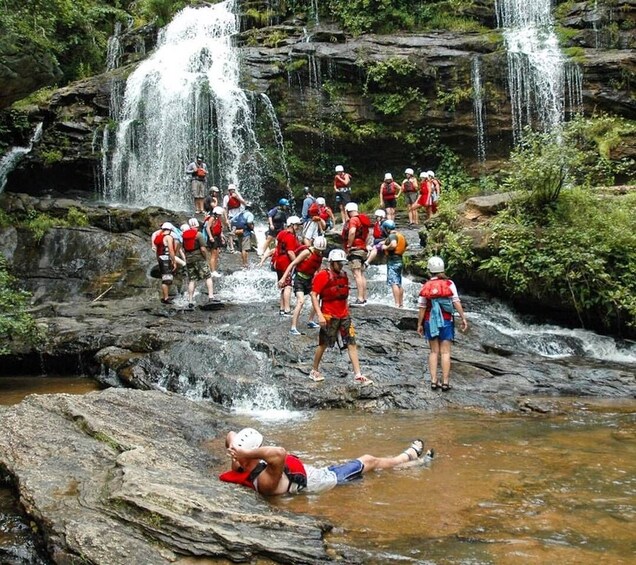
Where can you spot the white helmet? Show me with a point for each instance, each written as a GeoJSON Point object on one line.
{"type": "Point", "coordinates": [337, 256]}
{"type": "Point", "coordinates": [351, 207]}
{"type": "Point", "coordinates": [388, 176]}
{"type": "Point", "coordinates": [380, 214]}
{"type": "Point", "coordinates": [339, 169]}
{"type": "Point", "coordinates": [293, 220]}
{"type": "Point", "coordinates": [321, 201]}
{"type": "Point", "coordinates": [193, 223]}
{"type": "Point", "coordinates": [430, 173]}
{"type": "Point", "coordinates": [184, 227]}
{"type": "Point", "coordinates": [215, 189]}
{"type": "Point", "coordinates": [435, 264]}
{"type": "Point", "coordinates": [408, 171]}
{"type": "Point", "coordinates": [231, 187]}
{"type": "Point", "coordinates": [167, 226]}
{"type": "Point", "coordinates": [218, 210]}
{"type": "Point", "coordinates": [423, 175]}
{"type": "Point", "coordinates": [248, 438]}
{"type": "Point", "coordinates": [320, 242]}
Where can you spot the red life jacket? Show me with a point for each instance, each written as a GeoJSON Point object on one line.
{"type": "Point", "coordinates": [342, 181]}
{"type": "Point", "coordinates": [158, 243]}
{"type": "Point", "coordinates": [314, 210]}
{"type": "Point", "coordinates": [238, 477]}
{"type": "Point", "coordinates": [294, 471]}
{"type": "Point", "coordinates": [389, 189]}
{"type": "Point", "coordinates": [190, 239]}
{"type": "Point", "coordinates": [377, 231]}
{"type": "Point", "coordinates": [409, 186]}
{"type": "Point", "coordinates": [310, 265]}
{"type": "Point", "coordinates": [217, 227]}
{"type": "Point", "coordinates": [337, 288]}
{"type": "Point", "coordinates": [233, 202]}
{"type": "Point", "coordinates": [436, 288]}
{"type": "Point", "coordinates": [200, 173]}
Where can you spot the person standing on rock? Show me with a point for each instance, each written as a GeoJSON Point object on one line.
{"type": "Point", "coordinates": [198, 171]}
{"type": "Point", "coordinates": [389, 193]}
{"type": "Point", "coordinates": [165, 248]}
{"type": "Point", "coordinates": [197, 268]}
{"type": "Point", "coordinates": [410, 189]}
{"type": "Point", "coordinates": [354, 237]}
{"type": "Point", "coordinates": [233, 203]}
{"type": "Point", "coordinates": [285, 253]}
{"type": "Point", "coordinates": [307, 202]}
{"type": "Point", "coordinates": [393, 247]}
{"type": "Point", "coordinates": [436, 190]}
{"type": "Point", "coordinates": [211, 200]}
{"type": "Point", "coordinates": [272, 471]}
{"type": "Point", "coordinates": [342, 188]}
{"type": "Point", "coordinates": [438, 301]}
{"type": "Point", "coordinates": [213, 233]}
{"type": "Point", "coordinates": [425, 200]}
{"type": "Point", "coordinates": [242, 229]}
{"type": "Point", "coordinates": [330, 299]}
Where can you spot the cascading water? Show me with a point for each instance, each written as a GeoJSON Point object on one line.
{"type": "Point", "coordinates": [183, 100]}
{"type": "Point", "coordinates": [479, 110]}
{"type": "Point", "coordinates": [536, 66]}
{"type": "Point", "coordinates": [15, 154]}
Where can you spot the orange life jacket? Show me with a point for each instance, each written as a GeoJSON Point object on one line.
{"type": "Point", "coordinates": [401, 246]}
{"type": "Point", "coordinates": [200, 173]}
{"type": "Point", "coordinates": [190, 239]}
{"type": "Point", "coordinates": [436, 288]}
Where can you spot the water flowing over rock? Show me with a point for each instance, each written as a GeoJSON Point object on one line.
{"type": "Point", "coordinates": [13, 156]}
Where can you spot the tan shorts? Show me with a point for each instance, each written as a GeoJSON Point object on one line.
{"type": "Point", "coordinates": [356, 258]}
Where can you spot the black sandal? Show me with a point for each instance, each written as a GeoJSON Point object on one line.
{"type": "Point", "coordinates": [434, 385]}
{"type": "Point", "coordinates": [446, 387]}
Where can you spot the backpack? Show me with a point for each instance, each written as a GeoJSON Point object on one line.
{"type": "Point", "coordinates": [190, 239]}
{"type": "Point", "coordinates": [436, 288]}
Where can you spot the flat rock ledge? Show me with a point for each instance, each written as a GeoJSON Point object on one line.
{"type": "Point", "coordinates": [125, 476]}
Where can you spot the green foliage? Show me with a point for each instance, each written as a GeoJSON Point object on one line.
{"type": "Point", "coordinates": [275, 38]}
{"type": "Point", "coordinates": [75, 217]}
{"type": "Point", "coordinates": [584, 256]}
{"type": "Point", "coordinates": [51, 156]}
{"type": "Point", "coordinates": [16, 324]}
{"type": "Point", "coordinates": [158, 11]}
{"type": "Point", "coordinates": [38, 98]}
{"type": "Point", "coordinates": [382, 75]}
{"type": "Point", "coordinates": [393, 104]}
{"type": "Point", "coordinates": [450, 99]}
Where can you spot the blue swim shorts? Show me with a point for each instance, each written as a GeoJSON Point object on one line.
{"type": "Point", "coordinates": [446, 333]}
{"type": "Point", "coordinates": [394, 273]}
{"type": "Point", "coordinates": [347, 472]}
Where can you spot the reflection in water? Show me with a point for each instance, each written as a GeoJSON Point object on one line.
{"type": "Point", "coordinates": [14, 389]}
{"type": "Point", "coordinates": [502, 489]}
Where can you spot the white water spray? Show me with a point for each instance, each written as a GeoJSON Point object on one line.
{"type": "Point", "coordinates": [479, 110]}
{"type": "Point", "coordinates": [10, 160]}
{"type": "Point", "coordinates": [183, 100]}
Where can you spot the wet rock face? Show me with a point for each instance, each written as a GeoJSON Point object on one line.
{"type": "Point", "coordinates": [123, 475]}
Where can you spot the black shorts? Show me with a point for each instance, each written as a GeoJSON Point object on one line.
{"type": "Point", "coordinates": [165, 269]}
{"type": "Point", "coordinates": [389, 202]}
{"type": "Point", "coordinates": [343, 198]}
{"type": "Point", "coordinates": [302, 284]}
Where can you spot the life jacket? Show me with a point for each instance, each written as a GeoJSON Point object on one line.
{"type": "Point", "coordinates": [216, 227]}
{"type": "Point", "coordinates": [314, 210]}
{"type": "Point", "coordinates": [159, 245]}
{"type": "Point", "coordinates": [409, 185]}
{"type": "Point", "coordinates": [233, 202]}
{"type": "Point", "coordinates": [389, 189]}
{"type": "Point", "coordinates": [310, 265]}
{"type": "Point", "coordinates": [401, 246]}
{"type": "Point", "coordinates": [278, 218]}
{"type": "Point", "coordinates": [245, 478]}
{"type": "Point", "coordinates": [294, 471]}
{"type": "Point", "coordinates": [377, 231]}
{"type": "Point", "coordinates": [337, 288]}
{"type": "Point", "coordinates": [190, 239]}
{"type": "Point", "coordinates": [200, 173]}
{"type": "Point", "coordinates": [280, 258]}
{"type": "Point", "coordinates": [436, 288]}
{"type": "Point", "coordinates": [342, 181]}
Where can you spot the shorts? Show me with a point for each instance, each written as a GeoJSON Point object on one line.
{"type": "Point", "coordinates": [279, 276]}
{"type": "Point", "coordinates": [197, 269]}
{"type": "Point", "coordinates": [389, 202]}
{"type": "Point", "coordinates": [273, 232]}
{"type": "Point", "coordinates": [347, 472]}
{"type": "Point", "coordinates": [411, 197]}
{"type": "Point", "coordinates": [198, 189]}
{"type": "Point", "coordinates": [245, 241]}
{"type": "Point", "coordinates": [216, 242]}
{"type": "Point", "coordinates": [356, 258]}
{"type": "Point", "coordinates": [446, 332]}
{"type": "Point", "coordinates": [394, 273]}
{"type": "Point", "coordinates": [337, 328]}
{"type": "Point", "coordinates": [302, 284]}
{"type": "Point", "coordinates": [343, 197]}
{"type": "Point", "coordinates": [164, 269]}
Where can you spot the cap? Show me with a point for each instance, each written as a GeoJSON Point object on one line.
{"type": "Point", "coordinates": [184, 227]}
{"type": "Point", "coordinates": [218, 210]}
{"type": "Point", "coordinates": [231, 187]}
{"type": "Point", "coordinates": [320, 242]}
{"type": "Point", "coordinates": [306, 190]}
{"type": "Point", "coordinates": [380, 213]}
{"type": "Point", "coordinates": [215, 189]}
{"type": "Point", "coordinates": [337, 256]}
{"type": "Point", "coordinates": [435, 264]}
{"type": "Point", "coordinates": [423, 175]}
{"type": "Point", "coordinates": [167, 226]}
{"type": "Point", "coordinates": [199, 156]}
{"type": "Point", "coordinates": [408, 171]}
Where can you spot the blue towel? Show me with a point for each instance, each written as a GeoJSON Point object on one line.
{"type": "Point", "coordinates": [436, 321]}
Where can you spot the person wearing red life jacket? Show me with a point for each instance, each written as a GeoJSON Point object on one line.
{"type": "Point", "coordinates": [425, 199]}
{"type": "Point", "coordinates": [314, 226]}
{"type": "Point", "coordinates": [197, 267]}
{"type": "Point", "coordinates": [438, 300]}
{"type": "Point", "coordinates": [330, 299]}
{"type": "Point", "coordinates": [436, 189]}
{"type": "Point", "coordinates": [342, 188]}
{"type": "Point", "coordinates": [307, 263]}
{"type": "Point", "coordinates": [326, 213]}
{"type": "Point", "coordinates": [198, 172]}
{"type": "Point", "coordinates": [285, 252]}
{"type": "Point", "coordinates": [213, 234]}
{"type": "Point", "coordinates": [410, 189]}
{"type": "Point", "coordinates": [234, 204]}
{"type": "Point", "coordinates": [165, 248]}
{"type": "Point", "coordinates": [378, 232]}
{"type": "Point", "coordinates": [354, 238]}
{"type": "Point", "coordinates": [272, 471]}
{"type": "Point", "coordinates": [389, 193]}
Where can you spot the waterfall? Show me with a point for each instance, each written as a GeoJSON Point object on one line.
{"type": "Point", "coordinates": [278, 136]}
{"type": "Point", "coordinates": [183, 100]}
{"type": "Point", "coordinates": [535, 64]}
{"type": "Point", "coordinates": [10, 160]}
{"type": "Point", "coordinates": [479, 110]}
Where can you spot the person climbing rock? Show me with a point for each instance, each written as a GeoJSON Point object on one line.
{"type": "Point", "coordinates": [276, 220]}
{"type": "Point", "coordinates": [164, 244]}
{"type": "Point", "coordinates": [242, 229]}
{"type": "Point", "coordinates": [198, 172]}
{"type": "Point", "coordinates": [272, 471]}
{"type": "Point", "coordinates": [393, 247]}
{"type": "Point", "coordinates": [197, 267]}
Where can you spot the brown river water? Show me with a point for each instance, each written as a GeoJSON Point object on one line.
{"type": "Point", "coordinates": [502, 489]}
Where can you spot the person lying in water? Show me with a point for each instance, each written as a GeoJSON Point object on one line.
{"type": "Point", "coordinates": [272, 471]}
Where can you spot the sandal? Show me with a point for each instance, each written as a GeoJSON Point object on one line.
{"type": "Point", "coordinates": [418, 447]}
{"type": "Point", "coordinates": [434, 385]}
{"type": "Point", "coordinates": [446, 387]}
{"type": "Point", "coordinates": [362, 380]}
{"type": "Point", "coordinates": [316, 376]}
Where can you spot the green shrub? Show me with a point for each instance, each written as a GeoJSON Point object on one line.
{"type": "Point", "coordinates": [75, 217]}
{"type": "Point", "coordinates": [51, 156]}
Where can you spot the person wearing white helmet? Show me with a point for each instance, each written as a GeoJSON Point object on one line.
{"type": "Point", "coordinates": [307, 262]}
{"type": "Point", "coordinates": [378, 232]}
{"type": "Point", "coordinates": [390, 191]}
{"type": "Point", "coordinates": [197, 262]}
{"type": "Point", "coordinates": [424, 200]}
{"type": "Point", "coordinates": [212, 199]}
{"type": "Point", "coordinates": [215, 240]}
{"type": "Point", "coordinates": [272, 471]}
{"type": "Point", "coordinates": [165, 248]}
{"type": "Point", "coordinates": [330, 298]}
{"type": "Point", "coordinates": [342, 188]}
{"type": "Point", "coordinates": [436, 190]}
{"type": "Point", "coordinates": [326, 213]}
{"type": "Point", "coordinates": [198, 172]}
{"type": "Point", "coordinates": [285, 252]}
{"type": "Point", "coordinates": [355, 233]}
{"type": "Point", "coordinates": [438, 301]}
{"type": "Point", "coordinates": [410, 188]}
{"type": "Point", "coordinates": [242, 225]}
